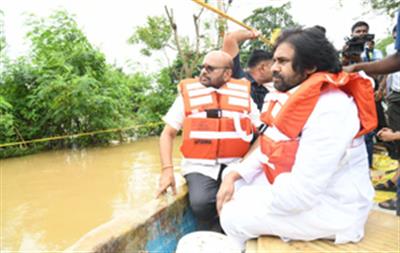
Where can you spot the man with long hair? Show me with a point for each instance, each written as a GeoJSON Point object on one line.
{"type": "Point", "coordinates": [309, 179]}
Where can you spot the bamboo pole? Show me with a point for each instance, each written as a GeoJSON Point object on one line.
{"type": "Point", "coordinates": [224, 15]}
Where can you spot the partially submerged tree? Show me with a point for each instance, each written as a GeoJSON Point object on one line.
{"type": "Point", "coordinates": [64, 87]}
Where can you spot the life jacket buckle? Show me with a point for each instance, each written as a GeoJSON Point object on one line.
{"type": "Point", "coordinates": [214, 113]}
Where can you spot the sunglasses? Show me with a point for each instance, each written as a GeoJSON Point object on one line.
{"type": "Point", "coordinates": [210, 68]}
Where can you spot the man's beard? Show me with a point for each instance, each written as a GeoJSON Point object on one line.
{"type": "Point", "coordinates": [206, 81]}
{"type": "Point", "coordinates": [283, 85]}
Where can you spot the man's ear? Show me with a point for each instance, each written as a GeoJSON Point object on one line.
{"type": "Point", "coordinates": [227, 75]}
{"type": "Point", "coordinates": [310, 71]}
{"type": "Point", "coordinates": [266, 65]}
{"type": "Point", "coordinates": [261, 67]}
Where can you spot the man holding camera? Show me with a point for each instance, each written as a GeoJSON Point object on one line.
{"type": "Point", "coordinates": [352, 50]}
{"type": "Point", "coordinates": [360, 48]}
{"type": "Point", "coordinates": [389, 64]}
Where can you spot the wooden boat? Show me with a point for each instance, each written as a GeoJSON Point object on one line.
{"type": "Point", "coordinates": [158, 225]}
{"type": "Point", "coordinates": [155, 227]}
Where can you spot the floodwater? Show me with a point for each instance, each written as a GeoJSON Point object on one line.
{"type": "Point", "coordinates": [51, 199]}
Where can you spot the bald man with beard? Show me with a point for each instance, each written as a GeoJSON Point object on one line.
{"type": "Point", "coordinates": [218, 117]}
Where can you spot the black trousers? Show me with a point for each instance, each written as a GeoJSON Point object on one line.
{"type": "Point", "coordinates": [202, 199]}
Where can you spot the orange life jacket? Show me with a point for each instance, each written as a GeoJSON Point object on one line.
{"type": "Point", "coordinates": [217, 123]}
{"type": "Point", "coordinates": [286, 113]}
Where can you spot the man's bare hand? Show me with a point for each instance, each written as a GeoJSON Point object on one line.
{"type": "Point", "coordinates": [387, 134]}
{"type": "Point", "coordinates": [349, 68]}
{"type": "Point", "coordinates": [167, 179]}
{"type": "Point", "coordinates": [378, 95]}
{"type": "Point", "coordinates": [255, 34]}
{"type": "Point", "coordinates": [226, 189]}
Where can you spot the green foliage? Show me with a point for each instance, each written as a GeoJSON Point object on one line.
{"type": "Point", "coordinates": [2, 36]}
{"type": "Point", "coordinates": [157, 102]}
{"type": "Point", "coordinates": [154, 35]}
{"type": "Point", "coordinates": [59, 46]}
{"type": "Point", "coordinates": [65, 87]}
{"type": "Point", "coordinates": [266, 20]}
{"type": "Point", "coordinates": [388, 6]}
{"type": "Point", "coordinates": [6, 120]}
{"type": "Point", "coordinates": [381, 44]}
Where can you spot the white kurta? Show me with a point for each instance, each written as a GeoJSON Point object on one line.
{"type": "Point", "coordinates": [175, 118]}
{"type": "Point", "coordinates": [328, 194]}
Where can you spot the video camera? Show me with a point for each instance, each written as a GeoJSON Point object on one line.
{"type": "Point", "coordinates": [355, 45]}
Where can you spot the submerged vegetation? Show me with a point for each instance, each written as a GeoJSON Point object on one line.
{"type": "Point", "coordinates": [64, 86]}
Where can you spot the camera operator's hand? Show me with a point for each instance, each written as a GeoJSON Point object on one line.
{"type": "Point", "coordinates": [345, 59]}
{"type": "Point", "coordinates": [351, 58]}
{"type": "Point", "coordinates": [355, 59]}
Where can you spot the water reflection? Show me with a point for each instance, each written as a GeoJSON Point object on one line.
{"type": "Point", "coordinates": [51, 199]}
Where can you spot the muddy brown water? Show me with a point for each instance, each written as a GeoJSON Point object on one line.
{"type": "Point", "coordinates": [49, 200]}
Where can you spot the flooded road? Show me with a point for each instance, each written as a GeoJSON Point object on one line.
{"type": "Point", "coordinates": [49, 200]}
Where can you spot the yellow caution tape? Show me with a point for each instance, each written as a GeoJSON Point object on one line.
{"type": "Point", "coordinates": [78, 135]}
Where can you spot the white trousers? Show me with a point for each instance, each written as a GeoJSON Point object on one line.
{"type": "Point", "coordinates": [246, 216]}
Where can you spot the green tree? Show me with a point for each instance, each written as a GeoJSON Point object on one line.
{"type": "Point", "coordinates": [70, 91]}
{"type": "Point", "coordinates": [266, 20]}
{"type": "Point", "coordinates": [388, 6]}
{"type": "Point", "coordinates": [2, 35]}
{"type": "Point", "coordinates": [155, 35]}
{"type": "Point", "coordinates": [157, 102]}
{"type": "Point", "coordinates": [64, 87]}
{"type": "Point", "coordinates": [161, 33]}
{"type": "Point", "coordinates": [381, 44]}
{"type": "Point", "coordinates": [6, 120]}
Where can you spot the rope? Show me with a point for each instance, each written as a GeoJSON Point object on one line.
{"type": "Point", "coordinates": [77, 135]}
{"type": "Point", "coordinates": [224, 15]}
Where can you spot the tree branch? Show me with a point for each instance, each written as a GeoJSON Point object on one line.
{"type": "Point", "coordinates": [196, 21]}
{"type": "Point", "coordinates": [170, 15]}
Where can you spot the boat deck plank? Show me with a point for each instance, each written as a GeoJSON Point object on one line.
{"type": "Point", "coordinates": [382, 234]}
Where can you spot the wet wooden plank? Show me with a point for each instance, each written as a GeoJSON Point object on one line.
{"type": "Point", "coordinates": [382, 235]}
{"type": "Point", "coordinates": [251, 246]}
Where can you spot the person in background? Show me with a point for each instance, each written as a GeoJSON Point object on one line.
{"type": "Point", "coordinates": [390, 135]}
{"type": "Point", "coordinates": [309, 179]}
{"type": "Point", "coordinates": [384, 85]}
{"type": "Point", "coordinates": [387, 65]}
{"type": "Point", "coordinates": [392, 87]}
{"type": "Point", "coordinates": [351, 54]}
{"type": "Point", "coordinates": [218, 118]}
{"type": "Point", "coordinates": [390, 49]}
{"type": "Point", "coordinates": [259, 64]}
{"type": "Point", "coordinates": [362, 49]}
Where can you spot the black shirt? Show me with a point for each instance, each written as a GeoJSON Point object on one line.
{"type": "Point", "coordinates": [258, 91]}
